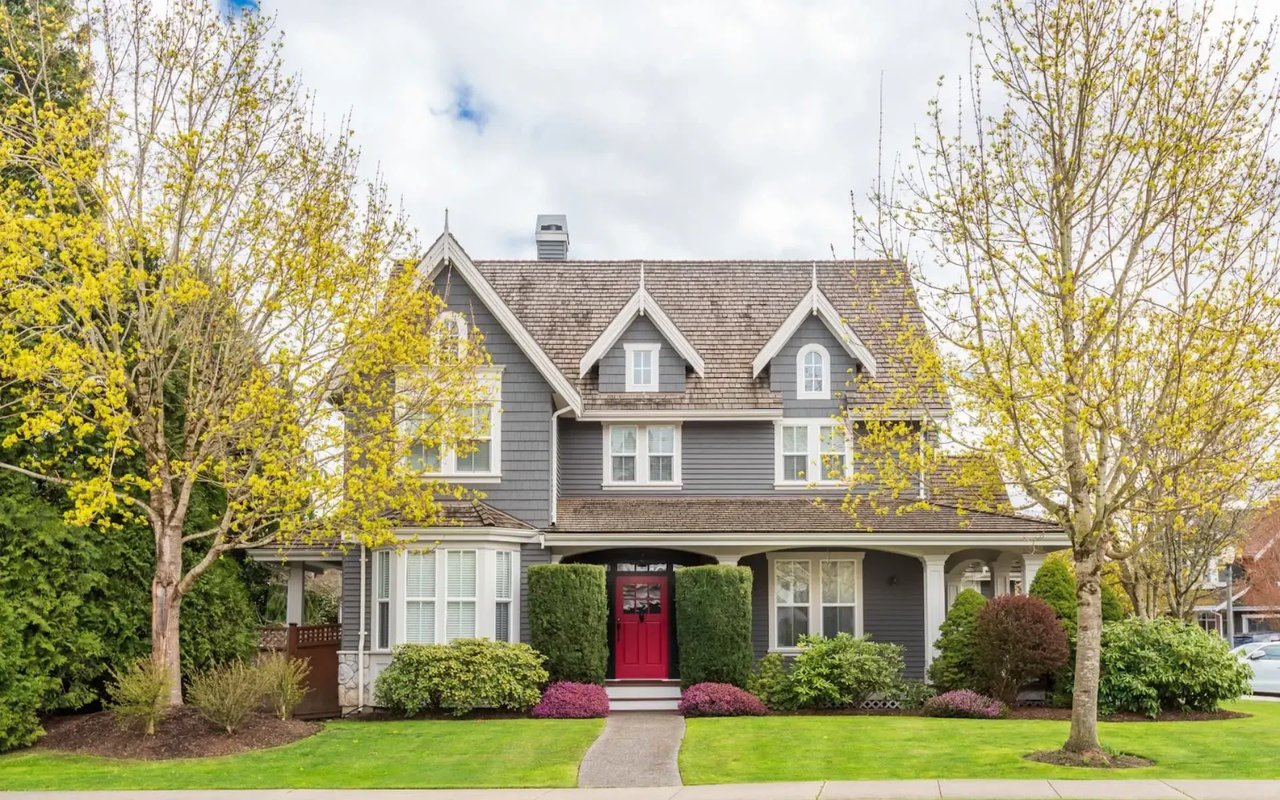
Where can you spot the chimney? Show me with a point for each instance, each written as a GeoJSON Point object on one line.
{"type": "Point", "coordinates": [552, 237]}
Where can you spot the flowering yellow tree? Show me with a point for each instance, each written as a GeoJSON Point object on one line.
{"type": "Point", "coordinates": [198, 291]}
{"type": "Point", "coordinates": [1098, 256]}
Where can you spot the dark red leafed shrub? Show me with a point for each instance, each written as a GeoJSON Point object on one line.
{"type": "Point", "coordinates": [566, 700]}
{"type": "Point", "coordinates": [964, 703]}
{"type": "Point", "coordinates": [1018, 639]}
{"type": "Point", "coordinates": [720, 700]}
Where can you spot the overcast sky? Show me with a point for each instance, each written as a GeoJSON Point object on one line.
{"type": "Point", "coordinates": [663, 130]}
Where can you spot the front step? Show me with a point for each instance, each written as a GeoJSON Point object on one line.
{"type": "Point", "coordinates": [643, 695]}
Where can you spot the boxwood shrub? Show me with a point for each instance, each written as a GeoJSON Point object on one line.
{"type": "Point", "coordinates": [568, 620]}
{"type": "Point", "coordinates": [460, 676]}
{"type": "Point", "coordinates": [713, 624]}
{"type": "Point", "coordinates": [955, 667]}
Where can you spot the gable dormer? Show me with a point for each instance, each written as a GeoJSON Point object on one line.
{"type": "Point", "coordinates": [641, 350]}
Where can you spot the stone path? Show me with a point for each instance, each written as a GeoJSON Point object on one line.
{"type": "Point", "coordinates": [816, 790]}
{"type": "Point", "coordinates": [637, 748]}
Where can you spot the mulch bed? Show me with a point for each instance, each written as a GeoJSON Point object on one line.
{"type": "Point", "coordinates": [1095, 760]}
{"type": "Point", "coordinates": [183, 733]}
{"type": "Point", "coordinates": [1045, 712]}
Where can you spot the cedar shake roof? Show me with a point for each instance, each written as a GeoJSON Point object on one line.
{"type": "Point", "coordinates": [667, 514]}
{"type": "Point", "coordinates": [727, 309]}
{"type": "Point", "coordinates": [479, 514]}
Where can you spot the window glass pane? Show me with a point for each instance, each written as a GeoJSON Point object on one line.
{"type": "Point", "coordinates": [662, 440]}
{"type": "Point", "coordinates": [662, 468]}
{"type": "Point", "coordinates": [383, 578]}
{"type": "Point", "coordinates": [420, 575]}
{"type": "Point", "coordinates": [461, 621]}
{"type": "Point", "coordinates": [462, 573]}
{"type": "Point", "coordinates": [831, 442]}
{"type": "Point", "coordinates": [502, 622]}
{"type": "Point", "coordinates": [792, 581]}
{"type": "Point", "coordinates": [502, 576]}
{"type": "Point", "coordinates": [642, 367]}
{"type": "Point", "coordinates": [420, 622]}
{"type": "Point", "coordinates": [384, 624]}
{"type": "Point", "coordinates": [622, 440]}
{"type": "Point", "coordinates": [793, 622]}
{"type": "Point", "coordinates": [795, 439]}
{"type": "Point", "coordinates": [813, 371]}
{"type": "Point", "coordinates": [837, 581]}
{"type": "Point", "coordinates": [837, 619]}
{"type": "Point", "coordinates": [477, 460]}
{"type": "Point", "coordinates": [624, 468]}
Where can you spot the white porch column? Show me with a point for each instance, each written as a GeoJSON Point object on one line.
{"type": "Point", "coordinates": [935, 602]}
{"type": "Point", "coordinates": [1031, 564]}
{"type": "Point", "coordinates": [295, 597]}
{"type": "Point", "coordinates": [955, 581]}
{"type": "Point", "coordinates": [1001, 572]}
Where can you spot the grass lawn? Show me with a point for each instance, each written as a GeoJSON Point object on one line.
{"type": "Point", "coordinates": [345, 755]}
{"type": "Point", "coordinates": [755, 749]}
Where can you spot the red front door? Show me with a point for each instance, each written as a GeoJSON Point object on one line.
{"type": "Point", "coordinates": [641, 609]}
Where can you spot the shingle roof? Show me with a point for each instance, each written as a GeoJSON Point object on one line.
{"type": "Point", "coordinates": [727, 309]}
{"type": "Point", "coordinates": [667, 514]}
{"type": "Point", "coordinates": [479, 514]}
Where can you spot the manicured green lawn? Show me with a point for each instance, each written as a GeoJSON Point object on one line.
{"type": "Point", "coordinates": [753, 749]}
{"type": "Point", "coordinates": [400, 754]}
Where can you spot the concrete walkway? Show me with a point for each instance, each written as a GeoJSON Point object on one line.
{"type": "Point", "coordinates": [831, 790]}
{"type": "Point", "coordinates": [638, 748]}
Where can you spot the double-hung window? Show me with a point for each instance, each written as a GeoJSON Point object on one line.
{"type": "Point", "coordinates": [478, 453]}
{"type": "Point", "coordinates": [641, 455]}
{"type": "Point", "coordinates": [382, 599]}
{"type": "Point", "coordinates": [503, 575]}
{"type": "Point", "coordinates": [642, 367]}
{"type": "Point", "coordinates": [460, 621]}
{"type": "Point", "coordinates": [420, 597]}
{"type": "Point", "coordinates": [811, 451]}
{"type": "Point", "coordinates": [445, 593]}
{"type": "Point", "coordinates": [813, 593]}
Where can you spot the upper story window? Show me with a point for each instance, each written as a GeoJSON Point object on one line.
{"type": "Point", "coordinates": [479, 453]}
{"type": "Point", "coordinates": [642, 367]}
{"type": "Point", "coordinates": [453, 325]}
{"type": "Point", "coordinates": [641, 455]}
{"type": "Point", "coordinates": [811, 451]}
{"type": "Point", "coordinates": [813, 373]}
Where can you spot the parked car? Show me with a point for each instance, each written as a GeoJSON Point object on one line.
{"type": "Point", "coordinates": [1264, 657]}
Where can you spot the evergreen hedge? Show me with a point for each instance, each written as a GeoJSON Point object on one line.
{"type": "Point", "coordinates": [568, 620]}
{"type": "Point", "coordinates": [955, 667]}
{"type": "Point", "coordinates": [713, 624]}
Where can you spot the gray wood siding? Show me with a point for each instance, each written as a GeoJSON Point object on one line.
{"type": "Point", "coordinates": [892, 599]}
{"type": "Point", "coordinates": [613, 366]}
{"type": "Point", "coordinates": [351, 622]}
{"type": "Point", "coordinates": [525, 488]}
{"type": "Point", "coordinates": [530, 554]}
{"type": "Point", "coordinates": [782, 371]}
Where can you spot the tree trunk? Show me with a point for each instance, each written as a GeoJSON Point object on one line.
{"type": "Point", "coordinates": [166, 604]}
{"type": "Point", "coordinates": [1083, 738]}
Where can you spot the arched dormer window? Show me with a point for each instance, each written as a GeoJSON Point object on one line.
{"type": "Point", "coordinates": [813, 373]}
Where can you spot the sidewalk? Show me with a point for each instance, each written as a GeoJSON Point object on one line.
{"type": "Point", "coordinates": [831, 790]}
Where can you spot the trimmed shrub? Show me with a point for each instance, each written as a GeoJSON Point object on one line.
{"type": "Point", "coordinates": [713, 624]}
{"type": "Point", "coordinates": [19, 692]}
{"type": "Point", "coordinates": [463, 675]}
{"type": "Point", "coordinates": [140, 694]}
{"type": "Point", "coordinates": [1055, 584]}
{"type": "Point", "coordinates": [565, 700]}
{"type": "Point", "coordinates": [284, 682]}
{"type": "Point", "coordinates": [955, 666]}
{"type": "Point", "coordinates": [1019, 640]}
{"type": "Point", "coordinates": [769, 682]}
{"type": "Point", "coordinates": [226, 695]}
{"type": "Point", "coordinates": [720, 700]}
{"type": "Point", "coordinates": [842, 671]}
{"type": "Point", "coordinates": [964, 703]}
{"type": "Point", "coordinates": [568, 620]}
{"type": "Point", "coordinates": [1149, 666]}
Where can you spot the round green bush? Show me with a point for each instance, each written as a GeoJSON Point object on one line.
{"type": "Point", "coordinates": [842, 671]}
{"type": "Point", "coordinates": [1164, 664]}
{"type": "Point", "coordinates": [568, 620]}
{"type": "Point", "coordinates": [713, 624]}
{"type": "Point", "coordinates": [461, 676]}
{"type": "Point", "coordinates": [955, 667]}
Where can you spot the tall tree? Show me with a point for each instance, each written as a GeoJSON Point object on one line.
{"type": "Point", "coordinates": [232, 256]}
{"type": "Point", "coordinates": [1098, 257]}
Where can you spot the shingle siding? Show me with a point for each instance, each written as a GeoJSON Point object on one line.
{"type": "Point", "coordinates": [525, 488]}
{"type": "Point", "coordinates": [613, 366]}
{"type": "Point", "coordinates": [351, 622]}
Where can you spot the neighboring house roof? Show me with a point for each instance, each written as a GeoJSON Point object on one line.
{"type": "Point", "coordinates": [632, 514]}
{"type": "Point", "coordinates": [1264, 531]}
{"type": "Point", "coordinates": [728, 311]}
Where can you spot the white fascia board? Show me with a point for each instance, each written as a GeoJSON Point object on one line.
{"type": "Point", "coordinates": [641, 304]}
{"type": "Point", "coordinates": [1045, 541]}
{"type": "Point", "coordinates": [681, 414]}
{"type": "Point", "coordinates": [814, 302]}
{"type": "Point", "coordinates": [446, 248]}
{"type": "Point", "coordinates": [451, 533]}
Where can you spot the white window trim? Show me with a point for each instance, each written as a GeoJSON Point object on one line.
{"type": "Point", "coordinates": [631, 348]}
{"type": "Point", "coordinates": [491, 379]}
{"type": "Point", "coordinates": [816, 467]}
{"type": "Point", "coordinates": [815, 560]}
{"type": "Point", "coordinates": [642, 481]}
{"type": "Point", "coordinates": [486, 591]}
{"type": "Point", "coordinates": [801, 392]}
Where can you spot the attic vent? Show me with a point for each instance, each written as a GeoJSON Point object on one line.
{"type": "Point", "coordinates": [551, 235]}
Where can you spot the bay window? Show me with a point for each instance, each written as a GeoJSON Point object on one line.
{"type": "Point", "coordinates": [813, 594]}
{"type": "Point", "coordinates": [811, 451]}
{"type": "Point", "coordinates": [420, 597]}
{"type": "Point", "coordinates": [641, 456]}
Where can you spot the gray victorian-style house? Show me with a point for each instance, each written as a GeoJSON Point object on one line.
{"type": "Point", "coordinates": [649, 415]}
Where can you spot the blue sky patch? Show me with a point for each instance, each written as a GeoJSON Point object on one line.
{"type": "Point", "coordinates": [234, 8]}
{"type": "Point", "coordinates": [466, 108]}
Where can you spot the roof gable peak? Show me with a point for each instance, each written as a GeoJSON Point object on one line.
{"type": "Point", "coordinates": [641, 304]}
{"type": "Point", "coordinates": [815, 303]}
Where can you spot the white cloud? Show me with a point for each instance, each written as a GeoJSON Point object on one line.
{"type": "Point", "coordinates": [663, 130]}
